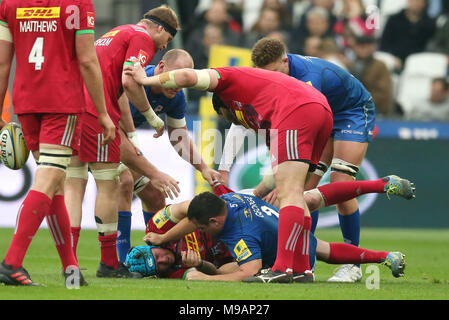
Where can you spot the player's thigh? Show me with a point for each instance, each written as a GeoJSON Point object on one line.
{"type": "Point", "coordinates": [290, 177]}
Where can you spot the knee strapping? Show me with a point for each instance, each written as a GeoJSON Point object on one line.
{"type": "Point", "coordinates": [77, 172]}
{"type": "Point", "coordinates": [54, 158]}
{"type": "Point", "coordinates": [344, 167]}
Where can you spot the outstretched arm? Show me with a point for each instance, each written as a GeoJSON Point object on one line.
{"type": "Point", "coordinates": [205, 80]}
{"type": "Point", "coordinates": [245, 270]}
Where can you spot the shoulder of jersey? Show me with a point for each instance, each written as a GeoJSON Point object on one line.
{"type": "Point", "coordinates": [14, 150]}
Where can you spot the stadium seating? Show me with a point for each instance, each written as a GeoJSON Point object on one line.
{"type": "Point", "coordinates": [415, 81]}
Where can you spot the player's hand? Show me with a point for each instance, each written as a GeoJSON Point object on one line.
{"type": "Point", "coordinates": [211, 175]}
{"type": "Point", "coordinates": [136, 71]}
{"type": "Point", "coordinates": [224, 176]}
{"type": "Point", "coordinates": [272, 198]}
{"type": "Point", "coordinates": [159, 132]}
{"type": "Point", "coordinates": [196, 275]}
{"type": "Point", "coordinates": [190, 258]}
{"type": "Point", "coordinates": [165, 184]}
{"type": "Point", "coordinates": [132, 137]}
{"type": "Point", "coordinates": [152, 238]}
{"type": "Point", "coordinates": [108, 127]}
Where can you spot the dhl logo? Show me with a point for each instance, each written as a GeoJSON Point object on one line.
{"type": "Point", "coordinates": [192, 243]}
{"type": "Point", "coordinates": [38, 13]}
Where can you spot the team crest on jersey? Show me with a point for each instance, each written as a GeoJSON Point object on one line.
{"type": "Point", "coordinates": [242, 251]}
{"type": "Point", "coordinates": [91, 19]}
{"type": "Point", "coordinates": [38, 13]}
{"type": "Point", "coordinates": [143, 58]}
{"type": "Point", "coordinates": [158, 108]}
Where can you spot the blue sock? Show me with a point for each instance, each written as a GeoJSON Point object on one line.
{"type": "Point", "coordinates": [350, 228]}
{"type": "Point", "coordinates": [315, 214]}
{"type": "Point", "coordinates": [147, 216]}
{"type": "Point", "coordinates": [124, 234]}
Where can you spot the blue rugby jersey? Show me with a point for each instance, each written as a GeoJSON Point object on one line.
{"type": "Point", "coordinates": [174, 108]}
{"type": "Point", "coordinates": [342, 90]}
{"type": "Point", "coordinates": [251, 228]}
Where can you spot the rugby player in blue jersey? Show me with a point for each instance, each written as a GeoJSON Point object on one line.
{"type": "Point", "coordinates": [172, 103]}
{"type": "Point", "coordinates": [248, 226]}
{"type": "Point", "coordinates": [354, 116]}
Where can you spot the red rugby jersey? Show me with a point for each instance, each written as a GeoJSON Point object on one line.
{"type": "Point", "coordinates": [113, 49]}
{"type": "Point", "coordinates": [48, 77]}
{"type": "Point", "coordinates": [260, 99]}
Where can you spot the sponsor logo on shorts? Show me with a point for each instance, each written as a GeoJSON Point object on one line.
{"type": "Point", "coordinates": [38, 13]}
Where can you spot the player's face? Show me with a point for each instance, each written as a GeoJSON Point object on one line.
{"type": "Point", "coordinates": [279, 66]}
{"type": "Point", "coordinates": [162, 39]}
{"type": "Point", "coordinates": [164, 259]}
{"type": "Point", "coordinates": [213, 227]}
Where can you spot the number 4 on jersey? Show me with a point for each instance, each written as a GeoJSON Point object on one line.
{"type": "Point", "coordinates": [36, 54]}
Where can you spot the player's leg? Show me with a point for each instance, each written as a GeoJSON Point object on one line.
{"type": "Point", "coordinates": [74, 188]}
{"type": "Point", "coordinates": [294, 150]}
{"type": "Point", "coordinates": [343, 253]}
{"type": "Point", "coordinates": [124, 212]}
{"type": "Point", "coordinates": [103, 163]}
{"type": "Point", "coordinates": [50, 137]}
{"type": "Point", "coordinates": [315, 177]}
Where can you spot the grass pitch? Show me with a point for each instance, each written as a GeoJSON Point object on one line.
{"type": "Point", "coordinates": [426, 273]}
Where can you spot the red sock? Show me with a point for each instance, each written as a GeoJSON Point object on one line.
{"type": "Point", "coordinates": [108, 247]}
{"type": "Point", "coordinates": [291, 221]}
{"type": "Point", "coordinates": [59, 225]}
{"type": "Point", "coordinates": [342, 253]}
{"type": "Point", "coordinates": [75, 237]}
{"type": "Point", "coordinates": [338, 192]}
{"type": "Point", "coordinates": [301, 261]}
{"type": "Point", "coordinates": [31, 213]}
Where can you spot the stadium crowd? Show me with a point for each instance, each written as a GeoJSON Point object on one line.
{"type": "Point", "coordinates": [376, 40]}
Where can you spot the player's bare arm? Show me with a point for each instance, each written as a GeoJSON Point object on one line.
{"type": "Point", "coordinates": [136, 93]}
{"type": "Point", "coordinates": [91, 73]}
{"type": "Point", "coordinates": [191, 259]}
{"type": "Point", "coordinates": [161, 181]}
{"type": "Point", "coordinates": [245, 270]}
{"type": "Point", "coordinates": [183, 144]}
{"type": "Point", "coordinates": [127, 123]}
{"type": "Point", "coordinates": [204, 80]}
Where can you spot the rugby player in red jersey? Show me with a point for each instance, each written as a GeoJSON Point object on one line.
{"type": "Point", "coordinates": [53, 42]}
{"type": "Point", "coordinates": [300, 122]}
{"type": "Point", "coordinates": [115, 49]}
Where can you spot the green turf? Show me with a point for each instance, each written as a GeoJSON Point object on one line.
{"type": "Point", "coordinates": [427, 273]}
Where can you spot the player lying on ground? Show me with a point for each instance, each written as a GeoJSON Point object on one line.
{"type": "Point", "coordinates": [298, 120]}
{"type": "Point", "coordinates": [354, 118]}
{"type": "Point", "coordinates": [172, 103]}
{"type": "Point", "coordinates": [248, 227]}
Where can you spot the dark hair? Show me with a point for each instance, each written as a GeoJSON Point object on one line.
{"type": "Point", "coordinates": [217, 103]}
{"type": "Point", "coordinates": [204, 206]}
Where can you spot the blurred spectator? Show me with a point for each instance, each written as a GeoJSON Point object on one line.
{"type": "Point", "coordinates": [268, 22]}
{"type": "Point", "coordinates": [352, 22]}
{"type": "Point", "coordinates": [440, 42]}
{"type": "Point", "coordinates": [434, 108]}
{"type": "Point", "coordinates": [316, 26]}
{"type": "Point", "coordinates": [373, 73]}
{"type": "Point", "coordinates": [408, 31]}
{"type": "Point", "coordinates": [328, 50]}
{"type": "Point", "coordinates": [300, 31]}
{"type": "Point", "coordinates": [217, 14]}
{"type": "Point", "coordinates": [212, 35]}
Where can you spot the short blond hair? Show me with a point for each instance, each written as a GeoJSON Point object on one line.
{"type": "Point", "coordinates": [165, 14]}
